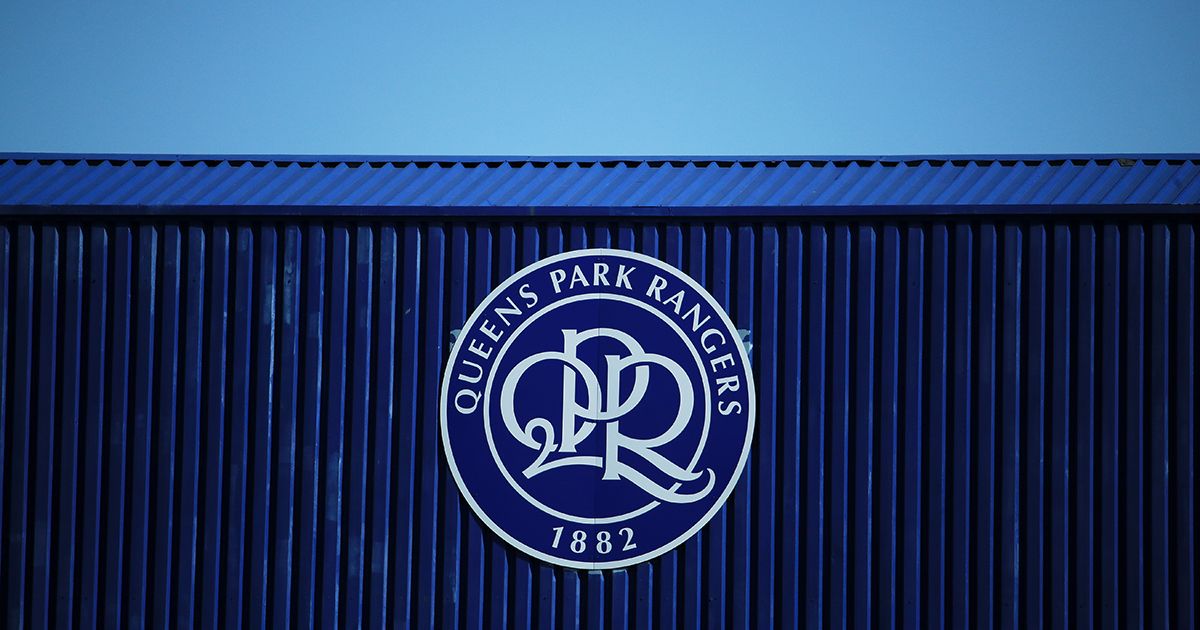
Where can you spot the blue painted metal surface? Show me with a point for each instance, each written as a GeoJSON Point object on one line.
{"type": "Point", "coordinates": [444, 186]}
{"type": "Point", "coordinates": [231, 421]}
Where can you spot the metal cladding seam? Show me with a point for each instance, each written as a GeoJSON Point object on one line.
{"type": "Point", "coordinates": [963, 422]}
{"type": "Point", "coordinates": [31, 182]}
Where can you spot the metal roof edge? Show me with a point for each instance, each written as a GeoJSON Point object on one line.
{"type": "Point", "coordinates": [236, 184]}
{"type": "Point", "coordinates": [332, 158]}
{"type": "Point", "coordinates": [633, 212]}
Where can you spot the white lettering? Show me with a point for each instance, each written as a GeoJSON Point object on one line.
{"type": "Point", "coordinates": [556, 278]}
{"type": "Point", "coordinates": [711, 332]}
{"type": "Point", "coordinates": [462, 376]}
{"type": "Point", "coordinates": [694, 313]}
{"type": "Point", "coordinates": [531, 298]}
{"type": "Point", "coordinates": [728, 384]}
{"type": "Point", "coordinates": [577, 277]}
{"type": "Point", "coordinates": [505, 312]}
{"type": "Point", "coordinates": [676, 300]}
{"type": "Point", "coordinates": [471, 396]}
{"type": "Point", "coordinates": [623, 277]}
{"type": "Point", "coordinates": [480, 349]}
{"type": "Point", "coordinates": [721, 361]}
{"type": "Point", "coordinates": [656, 287]}
{"type": "Point", "coordinates": [600, 274]}
{"type": "Point", "coordinates": [490, 330]}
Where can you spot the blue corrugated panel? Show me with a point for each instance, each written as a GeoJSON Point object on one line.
{"type": "Point", "coordinates": [232, 422]}
{"type": "Point", "coordinates": [139, 184]}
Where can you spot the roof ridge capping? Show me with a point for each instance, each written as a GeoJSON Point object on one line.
{"type": "Point", "coordinates": [46, 183]}
{"type": "Point", "coordinates": [240, 161]}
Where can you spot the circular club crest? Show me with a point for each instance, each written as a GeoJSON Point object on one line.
{"type": "Point", "coordinates": [597, 409]}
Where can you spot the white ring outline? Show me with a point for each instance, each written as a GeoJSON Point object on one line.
{"type": "Point", "coordinates": [751, 396]}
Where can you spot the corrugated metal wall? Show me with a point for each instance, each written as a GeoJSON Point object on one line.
{"type": "Point", "coordinates": [963, 423]}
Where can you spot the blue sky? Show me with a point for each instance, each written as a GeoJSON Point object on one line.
{"type": "Point", "coordinates": [657, 77]}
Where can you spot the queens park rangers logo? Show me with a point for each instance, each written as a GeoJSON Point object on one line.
{"type": "Point", "coordinates": [597, 409]}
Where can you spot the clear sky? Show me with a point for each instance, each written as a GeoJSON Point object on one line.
{"type": "Point", "coordinates": [572, 77]}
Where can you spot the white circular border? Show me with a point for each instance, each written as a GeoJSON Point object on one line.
{"type": "Point", "coordinates": [750, 412]}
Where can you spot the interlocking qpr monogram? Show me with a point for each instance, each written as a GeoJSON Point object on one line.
{"type": "Point", "coordinates": [597, 409]}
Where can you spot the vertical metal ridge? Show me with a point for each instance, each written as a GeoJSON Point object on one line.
{"type": "Point", "coordinates": [260, 495]}
{"type": "Point", "coordinates": [1061, 429]}
{"type": "Point", "coordinates": [930, 603]}
{"type": "Point", "coordinates": [379, 446]}
{"type": "Point", "coordinates": [190, 429]}
{"type": "Point", "coordinates": [523, 570]}
{"type": "Point", "coordinates": [452, 526]}
{"type": "Point", "coordinates": [914, 445]}
{"type": "Point", "coordinates": [837, 363]}
{"type": "Point", "coordinates": [117, 433]}
{"type": "Point", "coordinates": [427, 443]}
{"type": "Point", "coordinates": [815, 530]}
{"type": "Point", "coordinates": [330, 594]}
{"type": "Point", "coordinates": [960, 427]}
{"type": "Point", "coordinates": [499, 556]}
{"type": "Point", "coordinates": [885, 509]}
{"type": "Point", "coordinates": [1012, 426]}
{"type": "Point", "coordinates": [361, 375]}
{"type": "Point", "coordinates": [42, 426]}
{"type": "Point", "coordinates": [308, 436]}
{"type": "Point", "coordinates": [162, 532]}
{"type": "Point", "coordinates": [1084, 421]}
{"type": "Point", "coordinates": [235, 448]}
{"type": "Point", "coordinates": [1030, 577]}
{"type": "Point", "coordinates": [983, 451]}
{"type": "Point", "coordinates": [6, 325]}
{"type": "Point", "coordinates": [790, 582]}
{"type": "Point", "coordinates": [1184, 445]}
{"type": "Point", "coordinates": [862, 439]}
{"type": "Point", "coordinates": [1158, 436]}
{"type": "Point", "coordinates": [740, 552]}
{"type": "Point", "coordinates": [405, 442]}
{"type": "Point", "coordinates": [1132, 434]}
{"type": "Point", "coordinates": [765, 337]}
